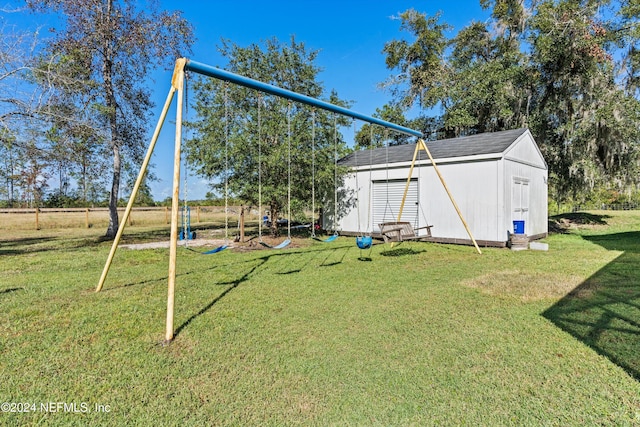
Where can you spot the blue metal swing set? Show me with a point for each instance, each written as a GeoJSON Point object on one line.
{"type": "Point", "coordinates": [177, 85]}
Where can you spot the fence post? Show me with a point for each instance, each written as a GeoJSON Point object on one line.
{"type": "Point", "coordinates": [241, 224]}
{"type": "Point", "coordinates": [198, 214]}
{"type": "Point", "coordinates": [166, 214]}
{"type": "Point", "coordinates": [37, 218]}
{"type": "Point", "coordinates": [86, 217]}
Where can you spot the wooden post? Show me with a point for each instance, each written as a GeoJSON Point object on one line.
{"type": "Point", "coordinates": [178, 83]}
{"type": "Point", "coordinates": [86, 217]}
{"type": "Point", "coordinates": [129, 220]}
{"type": "Point", "coordinates": [406, 187]}
{"type": "Point", "coordinates": [241, 223]}
{"type": "Point", "coordinates": [198, 214]}
{"type": "Point", "coordinates": [166, 215]}
{"type": "Point", "coordinates": [143, 168]}
{"type": "Point", "coordinates": [37, 218]}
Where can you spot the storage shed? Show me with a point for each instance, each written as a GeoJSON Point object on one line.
{"type": "Point", "coordinates": [495, 178]}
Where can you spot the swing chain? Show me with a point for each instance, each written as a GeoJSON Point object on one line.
{"type": "Point", "coordinates": [313, 172]}
{"type": "Point", "coordinates": [185, 215]}
{"type": "Point", "coordinates": [289, 170]}
{"type": "Point", "coordinates": [260, 167]}
{"type": "Point", "coordinates": [226, 162]}
{"type": "Point", "coordinates": [335, 174]}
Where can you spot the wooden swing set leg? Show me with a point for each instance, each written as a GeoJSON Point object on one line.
{"type": "Point", "coordinates": [136, 187]}
{"type": "Point", "coordinates": [421, 145]}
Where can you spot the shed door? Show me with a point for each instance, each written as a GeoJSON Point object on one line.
{"type": "Point", "coordinates": [387, 196]}
{"type": "Point", "coordinates": [520, 199]}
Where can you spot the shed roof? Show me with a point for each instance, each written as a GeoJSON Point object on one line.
{"type": "Point", "coordinates": [481, 144]}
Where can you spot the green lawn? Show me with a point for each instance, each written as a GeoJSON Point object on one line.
{"type": "Point", "coordinates": [422, 334]}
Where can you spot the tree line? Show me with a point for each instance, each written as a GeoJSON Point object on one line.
{"type": "Point", "coordinates": [76, 103]}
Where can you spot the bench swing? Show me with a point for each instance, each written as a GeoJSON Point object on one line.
{"type": "Point", "coordinates": [185, 233]}
{"type": "Point", "coordinates": [399, 231]}
{"type": "Point", "coordinates": [286, 242]}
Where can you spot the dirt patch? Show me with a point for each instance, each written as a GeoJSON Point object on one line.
{"type": "Point", "coordinates": [525, 286]}
{"type": "Point", "coordinates": [165, 244]}
{"type": "Point", "coordinates": [576, 220]}
{"type": "Point", "coordinates": [248, 245]}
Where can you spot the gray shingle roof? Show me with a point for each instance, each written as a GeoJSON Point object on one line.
{"type": "Point", "coordinates": [481, 144]}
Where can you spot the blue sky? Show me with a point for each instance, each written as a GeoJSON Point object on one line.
{"type": "Point", "coordinates": [348, 34]}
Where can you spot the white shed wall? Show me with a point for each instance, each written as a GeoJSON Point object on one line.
{"type": "Point", "coordinates": [474, 186]}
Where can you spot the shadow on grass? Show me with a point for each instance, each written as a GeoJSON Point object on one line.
{"type": "Point", "coordinates": [234, 284]}
{"type": "Point", "coordinates": [21, 246]}
{"type": "Point", "coordinates": [301, 262]}
{"type": "Point", "coordinates": [70, 241]}
{"type": "Point", "coordinates": [604, 311]}
{"type": "Point", "coordinates": [259, 263]}
{"type": "Point", "coordinates": [401, 252]}
{"type": "Point", "coordinates": [166, 277]}
{"type": "Point", "coordinates": [326, 263]}
{"type": "Point", "coordinates": [6, 291]}
{"type": "Point", "coordinates": [48, 243]}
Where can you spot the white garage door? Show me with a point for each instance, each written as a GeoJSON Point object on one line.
{"type": "Point", "coordinates": [387, 196]}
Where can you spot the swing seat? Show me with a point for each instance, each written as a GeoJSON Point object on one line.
{"type": "Point", "coordinates": [399, 231]}
{"type": "Point", "coordinates": [364, 242]}
{"type": "Point", "coordinates": [331, 238]}
{"type": "Point", "coordinates": [278, 246]}
{"type": "Point", "coordinates": [215, 250]}
{"type": "Point", "coordinates": [300, 226]}
{"type": "Point", "coordinates": [328, 239]}
{"type": "Point", "coordinates": [191, 235]}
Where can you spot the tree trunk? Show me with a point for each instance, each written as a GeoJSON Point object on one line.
{"type": "Point", "coordinates": [11, 175]}
{"type": "Point", "coordinates": [274, 212]}
{"type": "Point", "coordinates": [107, 75]}
{"type": "Point", "coordinates": [84, 179]}
{"type": "Point", "coordinates": [112, 230]}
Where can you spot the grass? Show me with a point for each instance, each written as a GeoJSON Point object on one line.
{"type": "Point", "coordinates": [422, 334]}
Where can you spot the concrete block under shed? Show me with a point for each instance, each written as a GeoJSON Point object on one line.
{"type": "Point", "coordinates": [538, 246]}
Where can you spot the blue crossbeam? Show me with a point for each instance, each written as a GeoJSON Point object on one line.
{"type": "Point", "coordinates": [217, 73]}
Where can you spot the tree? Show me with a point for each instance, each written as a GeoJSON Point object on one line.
{"type": "Point", "coordinates": [565, 68]}
{"type": "Point", "coordinates": [20, 99]}
{"type": "Point", "coordinates": [423, 73]}
{"type": "Point", "coordinates": [101, 59]}
{"type": "Point", "coordinates": [585, 122]}
{"type": "Point", "coordinates": [371, 136]}
{"type": "Point", "coordinates": [241, 137]}
{"type": "Point", "coordinates": [477, 78]}
{"type": "Point", "coordinates": [8, 172]}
